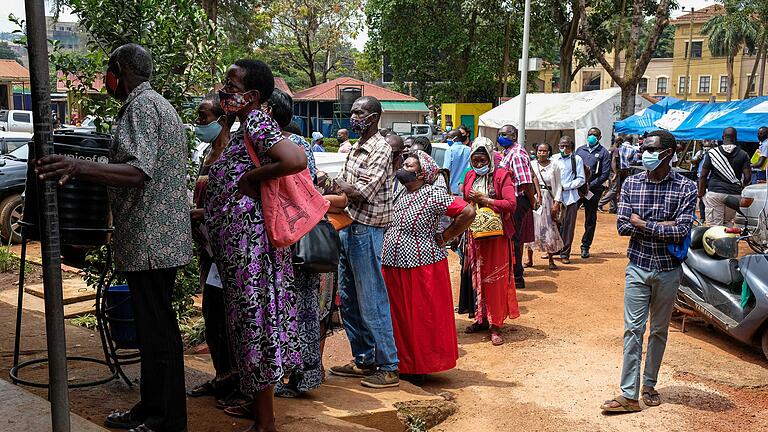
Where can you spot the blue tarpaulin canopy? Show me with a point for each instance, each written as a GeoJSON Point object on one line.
{"type": "Point", "coordinates": [699, 120]}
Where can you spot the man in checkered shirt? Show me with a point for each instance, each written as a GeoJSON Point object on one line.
{"type": "Point", "coordinates": [367, 178]}
{"type": "Point", "coordinates": [517, 161]}
{"type": "Point", "coordinates": [655, 210]}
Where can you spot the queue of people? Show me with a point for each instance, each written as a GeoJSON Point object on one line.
{"type": "Point", "coordinates": [266, 319]}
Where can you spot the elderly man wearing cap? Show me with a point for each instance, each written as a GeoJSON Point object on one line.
{"type": "Point", "coordinates": [317, 142]}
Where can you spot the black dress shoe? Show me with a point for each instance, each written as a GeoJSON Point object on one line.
{"type": "Point", "coordinates": [585, 253]}
{"type": "Point", "coordinates": [123, 420]}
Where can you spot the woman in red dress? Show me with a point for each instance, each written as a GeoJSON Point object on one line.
{"type": "Point", "coordinates": [490, 253]}
{"type": "Point", "coordinates": [415, 268]}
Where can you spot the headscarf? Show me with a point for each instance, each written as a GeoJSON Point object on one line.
{"type": "Point", "coordinates": [428, 166]}
{"type": "Point", "coordinates": [483, 183]}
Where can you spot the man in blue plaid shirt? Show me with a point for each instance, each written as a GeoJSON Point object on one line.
{"type": "Point", "coordinates": [655, 209]}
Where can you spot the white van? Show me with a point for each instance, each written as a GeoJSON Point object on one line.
{"type": "Point", "coordinates": [16, 121]}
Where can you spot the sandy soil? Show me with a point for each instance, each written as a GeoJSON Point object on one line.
{"type": "Point", "coordinates": [561, 360]}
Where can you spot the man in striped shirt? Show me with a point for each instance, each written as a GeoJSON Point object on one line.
{"type": "Point", "coordinates": [655, 210]}
{"type": "Point", "coordinates": [731, 171]}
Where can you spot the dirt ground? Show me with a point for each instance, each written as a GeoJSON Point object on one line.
{"type": "Point", "coordinates": [561, 360]}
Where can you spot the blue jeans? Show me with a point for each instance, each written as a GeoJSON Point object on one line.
{"type": "Point", "coordinates": [364, 299]}
{"type": "Point", "coordinates": [646, 293]}
{"type": "Point", "coordinates": [758, 175]}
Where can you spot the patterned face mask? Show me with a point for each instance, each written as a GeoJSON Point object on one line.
{"type": "Point", "coordinates": [233, 102]}
{"type": "Point", "coordinates": [360, 125]}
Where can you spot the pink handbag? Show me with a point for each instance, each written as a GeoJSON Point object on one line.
{"type": "Point", "coordinates": [291, 204]}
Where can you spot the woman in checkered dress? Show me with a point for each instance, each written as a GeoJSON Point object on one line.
{"type": "Point", "coordinates": [415, 268]}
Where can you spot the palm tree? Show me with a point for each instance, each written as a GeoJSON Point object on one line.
{"type": "Point", "coordinates": [729, 32]}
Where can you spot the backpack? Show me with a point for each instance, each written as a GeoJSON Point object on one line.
{"type": "Point", "coordinates": [583, 189]}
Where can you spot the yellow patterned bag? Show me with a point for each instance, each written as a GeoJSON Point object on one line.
{"type": "Point", "coordinates": [487, 223]}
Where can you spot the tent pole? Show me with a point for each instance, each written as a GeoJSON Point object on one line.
{"type": "Point", "coordinates": [37, 47]}
{"type": "Point", "coordinates": [524, 73]}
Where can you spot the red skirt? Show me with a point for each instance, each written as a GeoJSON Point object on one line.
{"type": "Point", "coordinates": [492, 276]}
{"type": "Point", "coordinates": [421, 302]}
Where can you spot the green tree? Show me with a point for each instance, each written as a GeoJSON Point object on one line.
{"type": "Point", "coordinates": [760, 13]}
{"type": "Point", "coordinates": [7, 53]}
{"type": "Point", "coordinates": [312, 36]}
{"type": "Point", "coordinates": [636, 56]}
{"type": "Point", "coordinates": [729, 32]}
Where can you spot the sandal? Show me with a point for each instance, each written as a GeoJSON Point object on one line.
{"type": "Point", "coordinates": [476, 328]}
{"type": "Point", "coordinates": [233, 400]}
{"type": "Point", "coordinates": [242, 411]}
{"type": "Point", "coordinates": [625, 405]}
{"type": "Point", "coordinates": [496, 339]}
{"type": "Point", "coordinates": [204, 389]}
{"type": "Point", "coordinates": [651, 396]}
{"type": "Point", "coordinates": [552, 266]}
{"type": "Point", "coordinates": [566, 260]}
{"type": "Point", "coordinates": [529, 264]}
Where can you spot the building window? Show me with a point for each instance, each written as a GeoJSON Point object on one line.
{"type": "Point", "coordinates": [752, 84]}
{"type": "Point", "coordinates": [642, 86]}
{"type": "Point", "coordinates": [723, 84]}
{"type": "Point", "coordinates": [661, 85]}
{"type": "Point", "coordinates": [681, 85]}
{"type": "Point", "coordinates": [696, 49]}
{"type": "Point", "coordinates": [705, 84]}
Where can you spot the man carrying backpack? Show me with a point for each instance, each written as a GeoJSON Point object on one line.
{"type": "Point", "coordinates": [731, 172]}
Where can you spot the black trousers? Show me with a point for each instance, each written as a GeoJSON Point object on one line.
{"type": "Point", "coordinates": [522, 209]}
{"type": "Point", "coordinates": [163, 402]}
{"type": "Point", "coordinates": [216, 335]}
{"type": "Point", "coordinates": [567, 228]}
{"type": "Point", "coordinates": [590, 217]}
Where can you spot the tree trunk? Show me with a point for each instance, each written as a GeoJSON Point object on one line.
{"type": "Point", "coordinates": [628, 93]}
{"type": "Point", "coordinates": [567, 47]}
{"type": "Point", "coordinates": [211, 8]}
{"type": "Point", "coordinates": [751, 80]}
{"type": "Point", "coordinates": [729, 91]}
{"type": "Point", "coordinates": [762, 72]}
{"type": "Point", "coordinates": [505, 61]}
{"type": "Point", "coordinates": [617, 43]}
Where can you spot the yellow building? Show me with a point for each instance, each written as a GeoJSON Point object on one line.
{"type": "Point", "coordinates": [666, 76]}
{"type": "Point", "coordinates": [467, 114]}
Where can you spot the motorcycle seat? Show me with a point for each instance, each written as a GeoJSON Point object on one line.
{"type": "Point", "coordinates": [697, 236]}
{"type": "Point", "coordinates": [725, 271]}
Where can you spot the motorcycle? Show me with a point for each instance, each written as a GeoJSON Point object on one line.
{"type": "Point", "coordinates": [728, 292]}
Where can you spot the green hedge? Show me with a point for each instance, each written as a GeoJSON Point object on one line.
{"type": "Point", "coordinates": [331, 144]}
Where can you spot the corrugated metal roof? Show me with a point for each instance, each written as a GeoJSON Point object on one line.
{"type": "Point", "coordinates": [404, 106]}
{"type": "Point", "coordinates": [10, 70]}
{"type": "Point", "coordinates": [282, 85]}
{"type": "Point", "coordinates": [327, 91]}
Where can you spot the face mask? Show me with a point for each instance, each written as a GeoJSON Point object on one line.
{"type": "Point", "coordinates": [449, 142]}
{"type": "Point", "coordinates": [233, 102]}
{"type": "Point", "coordinates": [592, 140]}
{"type": "Point", "coordinates": [209, 132]}
{"type": "Point", "coordinates": [404, 176]}
{"type": "Point", "coordinates": [504, 141]}
{"type": "Point", "coordinates": [360, 125]}
{"type": "Point", "coordinates": [111, 82]}
{"type": "Point", "coordinates": [652, 160]}
{"type": "Point", "coordinates": [482, 171]}
{"type": "Point", "coordinates": [562, 153]}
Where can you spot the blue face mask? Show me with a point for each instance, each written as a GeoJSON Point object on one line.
{"type": "Point", "coordinates": [449, 142]}
{"type": "Point", "coordinates": [652, 160]}
{"type": "Point", "coordinates": [482, 171]}
{"type": "Point", "coordinates": [209, 132]}
{"type": "Point", "coordinates": [592, 140]}
{"type": "Point", "coordinates": [504, 141]}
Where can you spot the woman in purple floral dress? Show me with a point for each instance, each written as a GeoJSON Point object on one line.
{"type": "Point", "coordinates": [258, 278]}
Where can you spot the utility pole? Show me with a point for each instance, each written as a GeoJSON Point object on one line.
{"type": "Point", "coordinates": [37, 47]}
{"type": "Point", "coordinates": [524, 74]}
{"type": "Point", "coordinates": [689, 51]}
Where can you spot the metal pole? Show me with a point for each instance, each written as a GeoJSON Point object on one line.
{"type": "Point", "coordinates": [524, 74]}
{"type": "Point", "coordinates": [49, 218]}
{"type": "Point", "coordinates": [688, 63]}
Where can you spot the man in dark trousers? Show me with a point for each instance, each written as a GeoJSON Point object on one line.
{"type": "Point", "coordinates": [146, 175]}
{"type": "Point", "coordinates": [598, 159]}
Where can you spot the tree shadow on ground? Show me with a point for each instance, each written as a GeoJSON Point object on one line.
{"type": "Point", "coordinates": [695, 398]}
{"type": "Point", "coordinates": [699, 329]}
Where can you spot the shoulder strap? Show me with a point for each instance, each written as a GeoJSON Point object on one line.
{"type": "Point", "coordinates": [541, 179]}
{"type": "Point", "coordinates": [249, 146]}
{"type": "Point", "coordinates": [573, 165]}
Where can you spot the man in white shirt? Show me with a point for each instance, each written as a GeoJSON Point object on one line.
{"type": "Point", "coordinates": [572, 179]}
{"type": "Point", "coordinates": [760, 166]}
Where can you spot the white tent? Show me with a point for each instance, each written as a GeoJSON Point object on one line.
{"type": "Point", "coordinates": [552, 115]}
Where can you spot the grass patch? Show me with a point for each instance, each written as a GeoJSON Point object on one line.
{"type": "Point", "coordinates": [88, 321]}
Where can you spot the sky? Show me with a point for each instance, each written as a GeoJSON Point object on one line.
{"type": "Point", "coordinates": [16, 7]}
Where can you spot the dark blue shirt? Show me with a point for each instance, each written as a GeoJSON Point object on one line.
{"type": "Point", "coordinates": [591, 157]}
{"type": "Point", "coordinates": [671, 199]}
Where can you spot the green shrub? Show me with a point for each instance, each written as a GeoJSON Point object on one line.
{"type": "Point", "coordinates": [88, 321]}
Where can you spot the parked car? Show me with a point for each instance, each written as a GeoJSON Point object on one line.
{"type": "Point", "coordinates": [10, 141]}
{"type": "Point", "coordinates": [405, 129]}
{"type": "Point", "coordinates": [16, 121]}
{"type": "Point", "coordinates": [13, 176]}
{"type": "Point", "coordinates": [758, 192]}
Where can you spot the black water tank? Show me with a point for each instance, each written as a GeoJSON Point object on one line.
{"type": "Point", "coordinates": [84, 214]}
{"type": "Point", "coordinates": [348, 96]}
